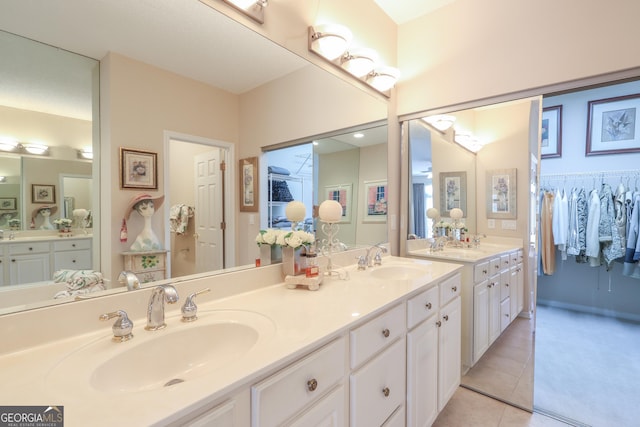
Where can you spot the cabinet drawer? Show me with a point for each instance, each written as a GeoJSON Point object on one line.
{"type": "Point", "coordinates": [505, 261]}
{"type": "Point", "coordinates": [494, 265]}
{"type": "Point", "coordinates": [422, 306]}
{"type": "Point", "coordinates": [150, 276]}
{"type": "Point", "coordinates": [28, 248]}
{"type": "Point", "coordinates": [378, 388]}
{"type": "Point", "coordinates": [397, 419]}
{"type": "Point", "coordinates": [514, 258]}
{"type": "Point", "coordinates": [449, 289]}
{"type": "Point", "coordinates": [376, 334]}
{"type": "Point", "coordinates": [505, 314]}
{"type": "Point", "coordinates": [75, 260]}
{"type": "Point", "coordinates": [505, 277]}
{"type": "Point", "coordinates": [290, 390]}
{"type": "Point", "coordinates": [142, 262]}
{"type": "Point", "coordinates": [327, 412]}
{"type": "Point", "coordinates": [481, 271]}
{"type": "Point", "coordinates": [70, 245]}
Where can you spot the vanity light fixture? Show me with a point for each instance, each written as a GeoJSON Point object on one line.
{"type": "Point", "coordinates": [442, 122]}
{"type": "Point", "coordinates": [358, 135]}
{"type": "Point", "coordinates": [331, 43]}
{"type": "Point", "coordinates": [8, 145]}
{"type": "Point", "coordinates": [383, 78]}
{"type": "Point", "coordinates": [33, 148]}
{"type": "Point", "coordinates": [86, 153]}
{"type": "Point", "coordinates": [359, 62]}
{"type": "Point", "coordinates": [3, 179]}
{"type": "Point", "coordinates": [329, 40]}
{"type": "Point", "coordinates": [254, 9]}
{"type": "Point", "coordinates": [467, 141]}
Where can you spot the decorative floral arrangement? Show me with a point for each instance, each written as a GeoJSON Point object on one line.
{"type": "Point", "coordinates": [443, 224]}
{"type": "Point", "coordinates": [284, 238]}
{"type": "Point", "coordinates": [14, 221]}
{"type": "Point", "coordinates": [63, 222]}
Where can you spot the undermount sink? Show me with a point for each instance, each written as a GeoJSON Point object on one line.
{"type": "Point", "coordinates": [403, 271]}
{"type": "Point", "coordinates": [153, 360]}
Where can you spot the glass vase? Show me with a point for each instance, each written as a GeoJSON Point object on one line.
{"type": "Point", "coordinates": [291, 261]}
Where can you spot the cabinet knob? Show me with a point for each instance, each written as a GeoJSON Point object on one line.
{"type": "Point", "coordinates": [484, 271]}
{"type": "Point", "coordinates": [30, 249]}
{"type": "Point", "coordinates": [438, 323]}
{"type": "Point", "coordinates": [506, 284]}
{"type": "Point", "coordinates": [506, 315]}
{"type": "Point", "coordinates": [386, 391]}
{"type": "Point", "coordinates": [73, 245]}
{"type": "Point", "coordinates": [428, 305]}
{"type": "Point", "coordinates": [497, 266]}
{"type": "Point", "coordinates": [454, 289]}
{"type": "Point", "coordinates": [13, 260]}
{"type": "Point", "coordinates": [312, 384]}
{"type": "Point", "coordinates": [385, 333]}
{"type": "Point", "coordinates": [446, 317]}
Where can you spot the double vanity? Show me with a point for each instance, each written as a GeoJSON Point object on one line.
{"type": "Point", "coordinates": [383, 347]}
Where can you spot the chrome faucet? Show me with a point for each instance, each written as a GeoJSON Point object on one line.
{"type": "Point", "coordinates": [377, 259]}
{"type": "Point", "coordinates": [129, 279]}
{"type": "Point", "coordinates": [155, 311]}
{"type": "Point", "coordinates": [476, 239]}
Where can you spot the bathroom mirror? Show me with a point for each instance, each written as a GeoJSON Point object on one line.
{"type": "Point", "coordinates": [21, 18]}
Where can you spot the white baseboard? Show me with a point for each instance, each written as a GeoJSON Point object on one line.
{"type": "Point", "coordinates": [590, 310]}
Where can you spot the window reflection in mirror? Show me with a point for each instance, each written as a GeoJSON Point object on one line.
{"type": "Point", "coordinates": [349, 167]}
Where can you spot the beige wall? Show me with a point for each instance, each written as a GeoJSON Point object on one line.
{"type": "Point", "coordinates": [471, 50]}
{"type": "Point", "coordinates": [373, 167]}
{"type": "Point", "coordinates": [138, 103]}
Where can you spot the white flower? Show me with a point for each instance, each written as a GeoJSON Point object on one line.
{"type": "Point", "coordinates": [63, 221]}
{"type": "Point", "coordinates": [297, 238]}
{"type": "Point", "coordinates": [269, 237]}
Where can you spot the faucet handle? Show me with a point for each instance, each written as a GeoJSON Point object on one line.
{"type": "Point", "coordinates": [122, 327]}
{"type": "Point", "coordinates": [377, 260]}
{"type": "Point", "coordinates": [362, 262]}
{"type": "Point", "coordinates": [189, 308]}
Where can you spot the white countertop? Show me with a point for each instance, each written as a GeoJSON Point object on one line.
{"type": "Point", "coordinates": [485, 251]}
{"type": "Point", "coordinates": [302, 320]}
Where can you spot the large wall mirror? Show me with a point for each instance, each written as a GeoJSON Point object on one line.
{"type": "Point", "coordinates": [435, 158]}
{"type": "Point", "coordinates": [250, 46]}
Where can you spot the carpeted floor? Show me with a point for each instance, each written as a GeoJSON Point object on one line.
{"type": "Point", "coordinates": [587, 367]}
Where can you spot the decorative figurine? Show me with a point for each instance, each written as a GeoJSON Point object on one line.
{"type": "Point", "coordinates": [145, 205]}
{"type": "Point", "coordinates": [45, 211]}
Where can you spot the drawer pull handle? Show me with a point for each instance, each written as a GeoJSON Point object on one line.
{"type": "Point", "coordinates": [73, 261]}
{"type": "Point", "coordinates": [30, 249]}
{"type": "Point", "coordinates": [506, 284]}
{"type": "Point", "coordinates": [484, 271]}
{"type": "Point", "coordinates": [385, 333]}
{"type": "Point", "coordinates": [438, 323]}
{"type": "Point", "coordinates": [386, 391]}
{"type": "Point", "coordinates": [446, 317]}
{"type": "Point", "coordinates": [312, 384]}
{"type": "Point", "coordinates": [454, 289]}
{"type": "Point", "coordinates": [428, 305]}
{"type": "Point", "coordinates": [73, 245]}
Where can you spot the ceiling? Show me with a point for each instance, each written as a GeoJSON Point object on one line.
{"type": "Point", "coordinates": [401, 11]}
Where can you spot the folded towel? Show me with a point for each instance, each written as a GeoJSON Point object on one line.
{"type": "Point", "coordinates": [71, 293]}
{"type": "Point", "coordinates": [179, 218]}
{"type": "Point", "coordinates": [77, 279]}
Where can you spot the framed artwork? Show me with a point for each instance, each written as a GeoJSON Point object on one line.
{"type": "Point", "coordinates": [375, 200]}
{"type": "Point", "coordinates": [613, 126]}
{"type": "Point", "coordinates": [342, 194]}
{"type": "Point", "coordinates": [138, 169]}
{"type": "Point", "coordinates": [43, 193]}
{"type": "Point", "coordinates": [453, 191]}
{"type": "Point", "coordinates": [249, 199]}
{"type": "Point", "coordinates": [551, 145]}
{"type": "Point", "coordinates": [8, 203]}
{"type": "Point", "coordinates": [502, 193]}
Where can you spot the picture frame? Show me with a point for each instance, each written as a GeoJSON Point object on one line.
{"type": "Point", "coordinates": [551, 137]}
{"type": "Point", "coordinates": [43, 193]}
{"type": "Point", "coordinates": [376, 198]}
{"type": "Point", "coordinates": [8, 203]}
{"type": "Point", "coordinates": [341, 193]}
{"type": "Point", "coordinates": [502, 193]}
{"type": "Point", "coordinates": [249, 180]}
{"type": "Point", "coordinates": [453, 191]}
{"type": "Point", "coordinates": [613, 125]}
{"type": "Point", "coordinates": [138, 169]}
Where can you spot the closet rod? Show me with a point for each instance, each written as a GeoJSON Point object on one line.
{"type": "Point", "coordinates": [595, 174]}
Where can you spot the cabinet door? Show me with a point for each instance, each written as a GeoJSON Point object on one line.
{"type": "Point", "coordinates": [234, 412]}
{"type": "Point", "coordinates": [29, 268]}
{"type": "Point", "coordinates": [2, 278]}
{"type": "Point", "coordinates": [75, 260]}
{"type": "Point", "coordinates": [505, 314]}
{"type": "Point", "coordinates": [513, 293]}
{"type": "Point", "coordinates": [449, 340]}
{"type": "Point", "coordinates": [520, 291]}
{"type": "Point", "coordinates": [422, 374]}
{"type": "Point", "coordinates": [494, 309]}
{"type": "Point", "coordinates": [481, 318]}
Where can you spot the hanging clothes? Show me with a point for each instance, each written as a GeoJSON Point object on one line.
{"type": "Point", "coordinates": [546, 230]}
{"type": "Point", "coordinates": [560, 224]}
{"type": "Point", "coordinates": [607, 230]}
{"type": "Point", "coordinates": [593, 221]}
{"type": "Point", "coordinates": [620, 220]}
{"type": "Point", "coordinates": [632, 254]}
{"type": "Point", "coordinates": [577, 233]}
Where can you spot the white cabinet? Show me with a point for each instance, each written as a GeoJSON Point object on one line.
{"type": "Point", "coordinates": [74, 254]}
{"type": "Point", "coordinates": [327, 412]}
{"type": "Point", "coordinates": [434, 353]}
{"type": "Point", "coordinates": [29, 262]}
{"type": "Point", "coordinates": [481, 321]}
{"type": "Point", "coordinates": [233, 412]}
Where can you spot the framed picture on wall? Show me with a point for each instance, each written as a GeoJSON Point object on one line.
{"type": "Point", "coordinates": [8, 203]}
{"type": "Point", "coordinates": [43, 193]}
{"type": "Point", "coordinates": [613, 126]}
{"type": "Point", "coordinates": [453, 191]}
{"type": "Point", "coordinates": [551, 145]}
{"type": "Point", "coordinates": [138, 169]}
{"type": "Point", "coordinates": [341, 193]}
{"type": "Point", "coordinates": [249, 197]}
{"type": "Point", "coordinates": [375, 200]}
{"type": "Point", "coordinates": [502, 194]}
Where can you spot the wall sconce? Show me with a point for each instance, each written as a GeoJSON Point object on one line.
{"type": "Point", "coordinates": [254, 9]}
{"type": "Point", "coordinates": [8, 144]}
{"type": "Point", "coordinates": [442, 122]}
{"type": "Point", "coordinates": [331, 42]}
{"type": "Point", "coordinates": [466, 140]}
{"type": "Point", "coordinates": [86, 153]}
{"type": "Point", "coordinates": [38, 149]}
